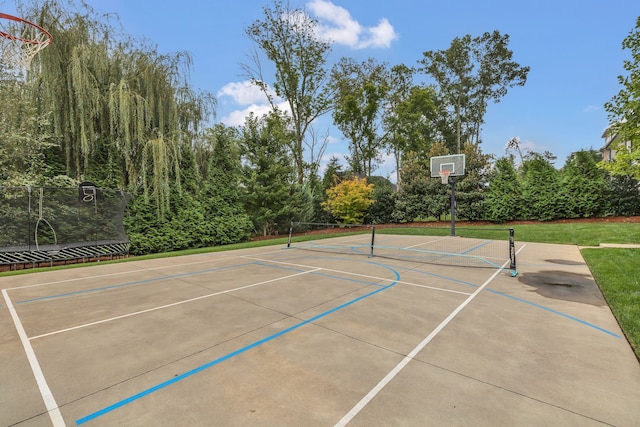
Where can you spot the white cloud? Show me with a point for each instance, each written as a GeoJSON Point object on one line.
{"type": "Point", "coordinates": [243, 93]}
{"type": "Point", "coordinates": [336, 24]}
{"type": "Point", "coordinates": [591, 108]}
{"type": "Point", "coordinates": [238, 117]}
{"type": "Point", "coordinates": [246, 94]}
{"type": "Point", "coordinates": [332, 140]}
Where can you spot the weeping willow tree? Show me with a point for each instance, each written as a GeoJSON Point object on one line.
{"type": "Point", "coordinates": [110, 94]}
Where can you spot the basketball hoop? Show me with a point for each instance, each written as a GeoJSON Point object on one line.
{"type": "Point", "coordinates": [20, 41]}
{"type": "Point", "coordinates": [444, 176]}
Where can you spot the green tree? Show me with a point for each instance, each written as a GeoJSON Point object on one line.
{"type": "Point", "coordinates": [470, 189]}
{"type": "Point", "coordinates": [384, 196]}
{"type": "Point", "coordinates": [360, 98]}
{"type": "Point", "coordinates": [272, 196]}
{"type": "Point", "coordinates": [543, 196]}
{"type": "Point", "coordinates": [288, 38]}
{"type": "Point", "coordinates": [469, 74]}
{"type": "Point", "coordinates": [208, 210]}
{"type": "Point", "coordinates": [226, 218]}
{"type": "Point", "coordinates": [623, 113]}
{"type": "Point", "coordinates": [24, 135]}
{"type": "Point", "coordinates": [421, 197]}
{"type": "Point", "coordinates": [332, 174]}
{"type": "Point", "coordinates": [111, 98]}
{"type": "Point", "coordinates": [503, 195]}
{"type": "Point", "coordinates": [587, 186]}
{"type": "Point", "coordinates": [624, 198]}
{"type": "Point", "coordinates": [414, 118]}
{"type": "Point", "coordinates": [349, 199]}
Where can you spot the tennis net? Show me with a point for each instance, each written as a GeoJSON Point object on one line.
{"type": "Point", "coordinates": [478, 247]}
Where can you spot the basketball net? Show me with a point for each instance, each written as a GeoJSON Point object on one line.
{"type": "Point", "coordinates": [444, 176]}
{"type": "Point", "coordinates": [20, 41]}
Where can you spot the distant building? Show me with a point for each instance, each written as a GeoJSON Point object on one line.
{"type": "Point", "coordinates": [611, 140]}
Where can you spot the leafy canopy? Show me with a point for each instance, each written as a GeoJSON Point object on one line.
{"type": "Point", "coordinates": [349, 200]}
{"type": "Point", "coordinates": [624, 113]}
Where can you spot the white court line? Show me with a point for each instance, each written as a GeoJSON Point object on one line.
{"type": "Point", "coordinates": [395, 371]}
{"type": "Point", "coordinates": [425, 243]}
{"type": "Point", "coordinates": [119, 273]}
{"type": "Point", "coordinates": [135, 313]}
{"type": "Point", "coordinates": [348, 273]}
{"type": "Point", "coordinates": [45, 392]}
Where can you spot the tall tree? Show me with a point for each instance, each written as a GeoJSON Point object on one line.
{"type": "Point", "coordinates": [469, 74]}
{"type": "Point", "coordinates": [415, 122]}
{"type": "Point", "coordinates": [288, 38]}
{"type": "Point", "coordinates": [114, 98]}
{"type": "Point", "coordinates": [272, 198]}
{"type": "Point", "coordinates": [470, 189]}
{"type": "Point", "coordinates": [360, 99]}
{"type": "Point", "coordinates": [24, 134]}
{"type": "Point", "coordinates": [624, 112]}
{"type": "Point", "coordinates": [543, 194]}
{"type": "Point", "coordinates": [503, 196]}
{"type": "Point", "coordinates": [586, 185]}
{"type": "Point", "coordinates": [226, 218]}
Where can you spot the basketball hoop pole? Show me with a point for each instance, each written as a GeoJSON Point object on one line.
{"type": "Point", "coordinates": [452, 181]}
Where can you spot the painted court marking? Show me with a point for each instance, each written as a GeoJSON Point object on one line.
{"type": "Point", "coordinates": [119, 273]}
{"type": "Point", "coordinates": [241, 350]}
{"type": "Point", "coordinates": [409, 357]}
{"type": "Point", "coordinates": [135, 313]}
{"type": "Point", "coordinates": [54, 412]}
{"type": "Point", "coordinates": [348, 273]}
{"type": "Point", "coordinates": [45, 391]}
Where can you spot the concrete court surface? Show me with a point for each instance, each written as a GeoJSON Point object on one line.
{"type": "Point", "coordinates": [276, 337]}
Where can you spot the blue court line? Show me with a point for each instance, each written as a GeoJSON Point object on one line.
{"type": "Point", "coordinates": [138, 282]}
{"type": "Point", "coordinates": [478, 246]}
{"type": "Point", "coordinates": [315, 273]}
{"type": "Point", "coordinates": [559, 313]}
{"type": "Point", "coordinates": [551, 310]}
{"type": "Point", "coordinates": [433, 255]}
{"type": "Point", "coordinates": [450, 279]}
{"type": "Point", "coordinates": [533, 304]}
{"type": "Point", "coordinates": [228, 356]}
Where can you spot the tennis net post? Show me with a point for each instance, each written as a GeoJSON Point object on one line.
{"type": "Point", "coordinates": [373, 238]}
{"type": "Point", "coordinates": [512, 253]}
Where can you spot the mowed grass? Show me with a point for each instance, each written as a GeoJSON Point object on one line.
{"type": "Point", "coordinates": [617, 272]}
{"type": "Point", "coordinates": [581, 234]}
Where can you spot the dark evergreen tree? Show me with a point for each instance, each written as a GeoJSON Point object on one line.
{"type": "Point", "coordinates": [543, 196]}
{"type": "Point", "coordinates": [272, 197]}
{"type": "Point", "coordinates": [624, 197]}
{"type": "Point", "coordinates": [384, 196]}
{"type": "Point", "coordinates": [587, 186]}
{"type": "Point", "coordinates": [227, 221]}
{"type": "Point", "coordinates": [420, 196]}
{"type": "Point", "coordinates": [502, 200]}
{"type": "Point", "coordinates": [470, 189]}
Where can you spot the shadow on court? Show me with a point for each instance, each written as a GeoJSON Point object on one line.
{"type": "Point", "coordinates": [290, 337]}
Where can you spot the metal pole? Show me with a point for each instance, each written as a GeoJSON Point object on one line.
{"type": "Point", "coordinates": [290, 234]}
{"type": "Point", "coordinates": [512, 251]}
{"type": "Point", "coordinates": [453, 205]}
{"type": "Point", "coordinates": [373, 237]}
{"type": "Point", "coordinates": [29, 219]}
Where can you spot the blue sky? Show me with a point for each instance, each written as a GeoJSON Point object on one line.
{"type": "Point", "coordinates": [572, 46]}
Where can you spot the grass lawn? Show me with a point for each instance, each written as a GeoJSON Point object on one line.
{"type": "Point", "coordinates": [617, 272]}
{"type": "Point", "coordinates": [581, 234]}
